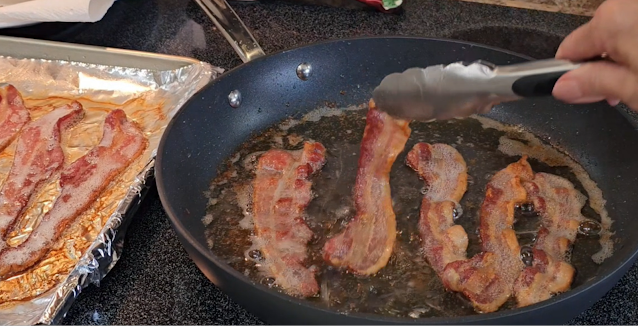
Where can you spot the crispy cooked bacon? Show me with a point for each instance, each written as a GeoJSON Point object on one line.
{"type": "Point", "coordinates": [13, 114]}
{"type": "Point", "coordinates": [487, 279]}
{"type": "Point", "coordinates": [281, 192]}
{"type": "Point", "coordinates": [81, 183]}
{"type": "Point", "coordinates": [366, 244]}
{"type": "Point", "coordinates": [559, 205]}
{"type": "Point", "coordinates": [38, 157]}
{"type": "Point", "coordinates": [445, 173]}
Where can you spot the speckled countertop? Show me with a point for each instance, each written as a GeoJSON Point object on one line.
{"type": "Point", "coordinates": [155, 282]}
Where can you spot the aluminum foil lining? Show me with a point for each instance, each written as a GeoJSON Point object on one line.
{"type": "Point", "coordinates": [91, 246]}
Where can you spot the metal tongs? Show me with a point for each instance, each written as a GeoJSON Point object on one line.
{"type": "Point", "coordinates": [458, 90]}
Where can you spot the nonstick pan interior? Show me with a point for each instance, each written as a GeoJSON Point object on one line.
{"type": "Point", "coordinates": [207, 130]}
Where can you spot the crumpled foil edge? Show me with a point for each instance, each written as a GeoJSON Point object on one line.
{"type": "Point", "coordinates": [103, 254]}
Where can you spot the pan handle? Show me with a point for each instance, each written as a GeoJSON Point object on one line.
{"type": "Point", "coordinates": [233, 29]}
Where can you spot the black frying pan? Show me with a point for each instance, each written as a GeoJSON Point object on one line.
{"type": "Point", "coordinates": [207, 130]}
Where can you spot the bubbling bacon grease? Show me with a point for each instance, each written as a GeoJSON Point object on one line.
{"type": "Point", "coordinates": [81, 183]}
{"type": "Point", "coordinates": [13, 114]}
{"type": "Point", "coordinates": [281, 192]}
{"type": "Point", "coordinates": [559, 206]}
{"type": "Point", "coordinates": [365, 246]}
{"type": "Point", "coordinates": [444, 171]}
{"type": "Point", "coordinates": [487, 279]}
{"type": "Point", "coordinates": [38, 157]}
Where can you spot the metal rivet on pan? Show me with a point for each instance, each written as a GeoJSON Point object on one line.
{"type": "Point", "coordinates": [234, 98]}
{"type": "Point", "coordinates": [304, 70]}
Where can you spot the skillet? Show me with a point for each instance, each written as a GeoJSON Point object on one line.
{"type": "Point", "coordinates": [208, 130]}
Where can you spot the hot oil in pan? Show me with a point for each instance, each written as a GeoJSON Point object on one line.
{"type": "Point", "coordinates": [407, 286]}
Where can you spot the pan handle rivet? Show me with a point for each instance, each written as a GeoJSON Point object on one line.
{"type": "Point", "coordinates": [304, 70]}
{"type": "Point", "coordinates": [234, 99]}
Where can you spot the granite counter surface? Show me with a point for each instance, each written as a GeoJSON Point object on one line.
{"type": "Point", "coordinates": [155, 282]}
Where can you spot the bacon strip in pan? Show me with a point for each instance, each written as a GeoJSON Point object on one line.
{"type": "Point", "coordinates": [38, 157]}
{"type": "Point", "coordinates": [487, 279]}
{"type": "Point", "coordinates": [81, 183]}
{"type": "Point", "coordinates": [444, 171]}
{"type": "Point", "coordinates": [559, 206]}
{"type": "Point", "coordinates": [366, 244]}
{"type": "Point", "coordinates": [281, 192]}
{"type": "Point", "coordinates": [13, 114]}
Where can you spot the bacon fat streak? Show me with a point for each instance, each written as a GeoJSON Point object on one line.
{"type": "Point", "coordinates": [13, 114]}
{"type": "Point", "coordinates": [490, 278]}
{"type": "Point", "coordinates": [444, 171]}
{"type": "Point", "coordinates": [38, 157]}
{"type": "Point", "coordinates": [281, 192]}
{"type": "Point", "coordinates": [81, 183]}
{"type": "Point", "coordinates": [559, 205]}
{"type": "Point", "coordinates": [487, 279]}
{"type": "Point", "coordinates": [365, 246]}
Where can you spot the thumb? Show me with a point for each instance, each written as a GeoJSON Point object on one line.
{"type": "Point", "coordinates": [597, 81]}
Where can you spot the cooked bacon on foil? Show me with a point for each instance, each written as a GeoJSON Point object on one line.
{"type": "Point", "coordinates": [365, 246]}
{"type": "Point", "coordinates": [81, 183]}
{"type": "Point", "coordinates": [13, 114]}
{"type": "Point", "coordinates": [281, 192]}
{"type": "Point", "coordinates": [38, 157]}
{"type": "Point", "coordinates": [559, 205]}
{"type": "Point", "coordinates": [444, 171]}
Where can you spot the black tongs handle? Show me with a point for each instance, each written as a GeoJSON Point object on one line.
{"type": "Point", "coordinates": [539, 80]}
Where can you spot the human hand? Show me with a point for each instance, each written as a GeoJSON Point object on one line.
{"type": "Point", "coordinates": [612, 31]}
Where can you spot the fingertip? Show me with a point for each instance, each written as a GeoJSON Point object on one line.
{"type": "Point", "coordinates": [598, 81]}
{"type": "Point", "coordinates": [570, 89]}
{"type": "Point", "coordinates": [567, 89]}
{"type": "Point", "coordinates": [613, 101]}
{"type": "Point", "coordinates": [560, 52]}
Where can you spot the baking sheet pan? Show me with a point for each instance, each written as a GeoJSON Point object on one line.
{"type": "Point", "coordinates": [150, 88]}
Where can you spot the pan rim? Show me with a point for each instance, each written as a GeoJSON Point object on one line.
{"type": "Point", "coordinates": [371, 317]}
